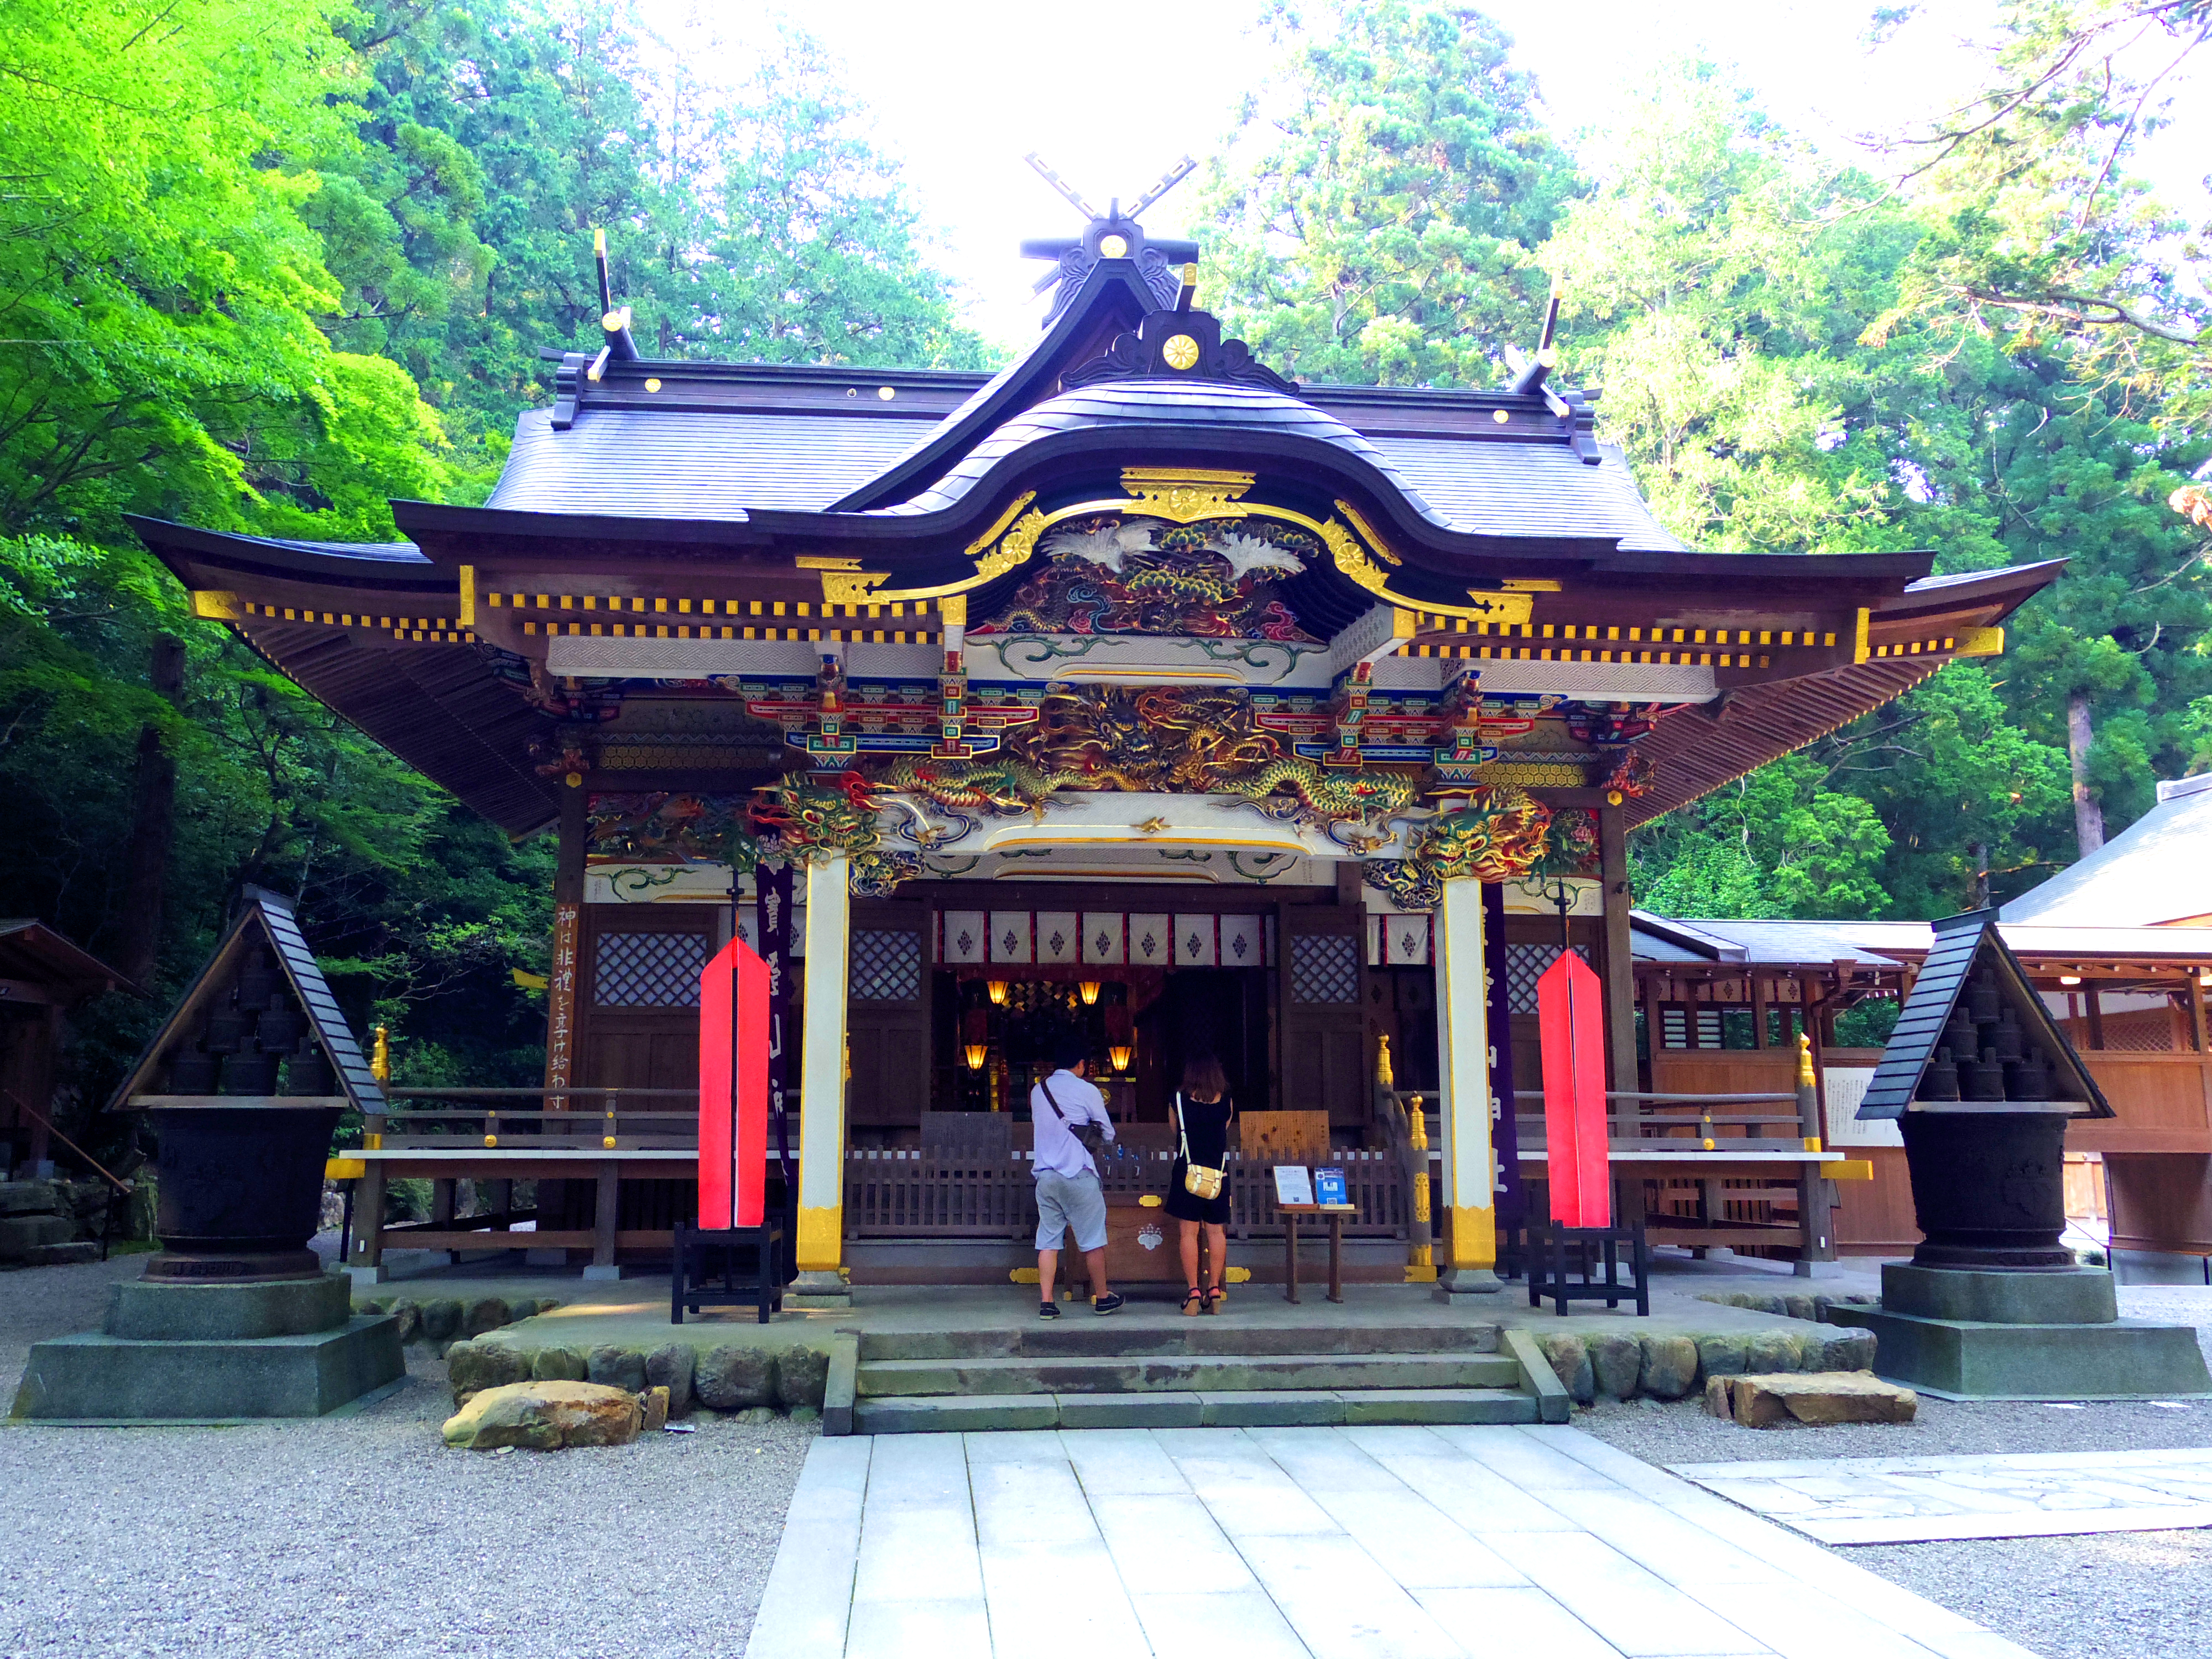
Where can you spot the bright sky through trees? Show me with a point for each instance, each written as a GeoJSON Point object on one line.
{"type": "Point", "coordinates": [1112, 125]}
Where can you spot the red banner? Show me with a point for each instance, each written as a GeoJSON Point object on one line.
{"type": "Point", "coordinates": [733, 1042]}
{"type": "Point", "coordinates": [1571, 1015]}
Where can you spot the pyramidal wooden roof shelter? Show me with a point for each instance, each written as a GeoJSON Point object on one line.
{"type": "Point", "coordinates": [1136, 660]}
{"type": "Point", "coordinates": [261, 966]}
{"type": "Point", "coordinates": [1968, 947]}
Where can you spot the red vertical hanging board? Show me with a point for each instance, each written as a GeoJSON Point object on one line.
{"type": "Point", "coordinates": [1571, 1013]}
{"type": "Point", "coordinates": [732, 1088]}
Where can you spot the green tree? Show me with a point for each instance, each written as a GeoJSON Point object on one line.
{"type": "Point", "coordinates": [1373, 220]}
{"type": "Point", "coordinates": [159, 289]}
{"type": "Point", "coordinates": [1741, 301]}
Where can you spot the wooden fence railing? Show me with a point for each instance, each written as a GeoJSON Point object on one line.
{"type": "Point", "coordinates": [921, 1195]}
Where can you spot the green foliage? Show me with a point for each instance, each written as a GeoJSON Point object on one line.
{"type": "Point", "coordinates": [258, 257]}
{"type": "Point", "coordinates": [161, 286]}
{"type": "Point", "coordinates": [1745, 307]}
{"type": "Point", "coordinates": [1778, 842]}
{"type": "Point", "coordinates": [1373, 222]}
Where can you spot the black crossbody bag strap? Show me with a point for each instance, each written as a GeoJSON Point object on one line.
{"type": "Point", "coordinates": [1088, 1134]}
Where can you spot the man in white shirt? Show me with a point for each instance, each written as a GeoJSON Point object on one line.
{"type": "Point", "coordinates": [1069, 1197]}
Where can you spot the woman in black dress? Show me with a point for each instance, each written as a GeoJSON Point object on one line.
{"type": "Point", "coordinates": [1202, 1115]}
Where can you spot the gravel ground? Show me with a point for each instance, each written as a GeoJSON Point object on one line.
{"type": "Point", "coordinates": [362, 1535]}
{"type": "Point", "coordinates": [2110, 1595]}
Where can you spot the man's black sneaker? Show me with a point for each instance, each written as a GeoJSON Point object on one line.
{"type": "Point", "coordinates": [1047, 1310]}
{"type": "Point", "coordinates": [1106, 1303]}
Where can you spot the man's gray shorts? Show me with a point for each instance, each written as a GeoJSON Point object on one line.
{"type": "Point", "coordinates": [1066, 1202]}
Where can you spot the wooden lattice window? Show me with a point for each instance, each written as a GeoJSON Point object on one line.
{"type": "Point", "coordinates": [886, 964]}
{"type": "Point", "coordinates": [1526, 963]}
{"type": "Point", "coordinates": [1324, 968]}
{"type": "Point", "coordinates": [648, 970]}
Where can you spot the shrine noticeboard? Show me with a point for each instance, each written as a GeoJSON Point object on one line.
{"type": "Point", "coordinates": [1570, 1017]}
{"type": "Point", "coordinates": [734, 1033]}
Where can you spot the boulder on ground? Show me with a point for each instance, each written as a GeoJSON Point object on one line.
{"type": "Point", "coordinates": [442, 1319]}
{"type": "Point", "coordinates": [546, 1417]}
{"type": "Point", "coordinates": [472, 1367]}
{"type": "Point", "coordinates": [29, 1198]}
{"type": "Point", "coordinates": [558, 1365]}
{"type": "Point", "coordinates": [1798, 1307]}
{"type": "Point", "coordinates": [619, 1368]}
{"type": "Point", "coordinates": [75, 1254]}
{"type": "Point", "coordinates": [1720, 1356]}
{"type": "Point", "coordinates": [1848, 1350]}
{"type": "Point", "coordinates": [802, 1376]}
{"type": "Point", "coordinates": [1670, 1367]}
{"type": "Point", "coordinates": [486, 1313]}
{"type": "Point", "coordinates": [1570, 1363]}
{"type": "Point", "coordinates": [671, 1367]}
{"type": "Point", "coordinates": [410, 1315]}
{"type": "Point", "coordinates": [1773, 1350]}
{"type": "Point", "coordinates": [655, 1403]}
{"type": "Point", "coordinates": [1815, 1398]}
{"type": "Point", "coordinates": [1616, 1363]}
{"type": "Point", "coordinates": [729, 1379]}
{"type": "Point", "coordinates": [20, 1234]}
{"type": "Point", "coordinates": [521, 1307]}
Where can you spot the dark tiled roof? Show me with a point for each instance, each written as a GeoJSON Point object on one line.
{"type": "Point", "coordinates": [1488, 489]}
{"type": "Point", "coordinates": [692, 464]}
{"type": "Point", "coordinates": [1200, 405]}
{"type": "Point", "coordinates": [383, 552]}
{"type": "Point", "coordinates": [684, 464]}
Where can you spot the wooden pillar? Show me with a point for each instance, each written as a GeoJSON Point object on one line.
{"type": "Point", "coordinates": [559, 1201]}
{"type": "Point", "coordinates": [2096, 1005]}
{"type": "Point", "coordinates": [1620, 948]}
{"type": "Point", "coordinates": [819, 1251]}
{"type": "Point", "coordinates": [1470, 1176]}
{"type": "Point", "coordinates": [606, 1217]}
{"type": "Point", "coordinates": [365, 1249]}
{"type": "Point", "coordinates": [2197, 1032]}
{"type": "Point", "coordinates": [45, 1050]}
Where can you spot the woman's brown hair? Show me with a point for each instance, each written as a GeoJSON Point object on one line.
{"type": "Point", "coordinates": [1204, 1079]}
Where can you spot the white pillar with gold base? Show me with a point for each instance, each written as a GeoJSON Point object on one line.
{"type": "Point", "coordinates": [1470, 1172]}
{"type": "Point", "coordinates": [819, 1252]}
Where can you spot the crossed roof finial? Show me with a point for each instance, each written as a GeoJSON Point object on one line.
{"type": "Point", "coordinates": [1113, 234]}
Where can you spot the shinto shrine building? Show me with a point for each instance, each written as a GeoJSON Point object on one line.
{"type": "Point", "coordinates": [1136, 691]}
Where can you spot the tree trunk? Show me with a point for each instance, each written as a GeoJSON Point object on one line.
{"type": "Point", "coordinates": [153, 822]}
{"type": "Point", "coordinates": [1980, 849]}
{"type": "Point", "coordinates": [2088, 816]}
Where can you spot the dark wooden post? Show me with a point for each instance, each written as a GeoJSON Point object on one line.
{"type": "Point", "coordinates": [366, 1248]}
{"type": "Point", "coordinates": [1619, 947]}
{"type": "Point", "coordinates": [558, 1201]}
{"type": "Point", "coordinates": [2096, 1005]}
{"type": "Point", "coordinates": [606, 1215]}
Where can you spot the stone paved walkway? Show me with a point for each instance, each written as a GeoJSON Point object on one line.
{"type": "Point", "coordinates": [1359, 1543]}
{"type": "Point", "coordinates": [1910, 1500]}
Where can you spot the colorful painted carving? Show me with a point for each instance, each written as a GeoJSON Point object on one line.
{"type": "Point", "coordinates": [1501, 832]}
{"type": "Point", "coordinates": [1571, 845]}
{"type": "Point", "coordinates": [663, 828]}
{"type": "Point", "coordinates": [810, 821]}
{"type": "Point", "coordinates": [1214, 579]}
{"type": "Point", "coordinates": [1632, 776]}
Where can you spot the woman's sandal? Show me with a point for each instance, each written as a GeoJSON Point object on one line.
{"type": "Point", "coordinates": [1214, 1298]}
{"type": "Point", "coordinates": [1192, 1301]}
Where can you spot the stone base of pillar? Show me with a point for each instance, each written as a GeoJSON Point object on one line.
{"type": "Point", "coordinates": [1458, 1283]}
{"type": "Point", "coordinates": [819, 1291]}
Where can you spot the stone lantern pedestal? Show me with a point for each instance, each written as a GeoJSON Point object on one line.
{"type": "Point", "coordinates": [236, 1316]}
{"type": "Point", "coordinates": [1981, 1083]}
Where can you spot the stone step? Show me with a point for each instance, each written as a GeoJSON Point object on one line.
{"type": "Point", "coordinates": [1079, 1334]}
{"type": "Point", "coordinates": [1132, 1373]}
{"type": "Point", "coordinates": [1239, 1409]}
